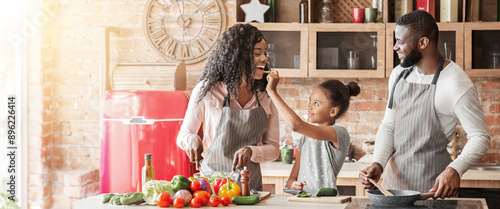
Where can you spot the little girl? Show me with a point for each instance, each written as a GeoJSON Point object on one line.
{"type": "Point", "coordinates": [323, 148]}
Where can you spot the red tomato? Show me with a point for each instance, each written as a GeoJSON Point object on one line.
{"type": "Point", "coordinates": [204, 196]}
{"type": "Point", "coordinates": [225, 201]}
{"type": "Point", "coordinates": [214, 201]}
{"type": "Point", "coordinates": [195, 202]}
{"type": "Point", "coordinates": [163, 200]}
{"type": "Point", "coordinates": [195, 186]}
{"type": "Point", "coordinates": [178, 202]}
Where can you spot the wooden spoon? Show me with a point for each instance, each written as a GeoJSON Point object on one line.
{"type": "Point", "coordinates": [384, 191]}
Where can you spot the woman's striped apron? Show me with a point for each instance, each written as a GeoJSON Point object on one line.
{"type": "Point", "coordinates": [236, 129]}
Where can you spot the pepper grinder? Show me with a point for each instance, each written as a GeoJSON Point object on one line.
{"type": "Point", "coordinates": [245, 179]}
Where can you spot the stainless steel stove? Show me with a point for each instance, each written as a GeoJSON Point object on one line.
{"type": "Point", "coordinates": [456, 203]}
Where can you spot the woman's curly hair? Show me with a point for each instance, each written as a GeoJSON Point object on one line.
{"type": "Point", "coordinates": [232, 59]}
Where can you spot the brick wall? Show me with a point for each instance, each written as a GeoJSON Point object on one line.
{"type": "Point", "coordinates": [64, 135]}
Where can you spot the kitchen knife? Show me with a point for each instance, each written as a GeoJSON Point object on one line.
{"type": "Point", "coordinates": [293, 191]}
{"type": "Point", "coordinates": [254, 192]}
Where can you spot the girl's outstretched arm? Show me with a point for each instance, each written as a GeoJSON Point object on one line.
{"type": "Point", "coordinates": [325, 133]}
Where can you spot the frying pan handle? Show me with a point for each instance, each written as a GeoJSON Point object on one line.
{"type": "Point", "coordinates": [425, 196]}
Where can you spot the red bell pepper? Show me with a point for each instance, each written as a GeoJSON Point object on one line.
{"type": "Point", "coordinates": [218, 183]}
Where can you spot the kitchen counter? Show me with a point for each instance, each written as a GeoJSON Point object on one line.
{"type": "Point", "coordinates": [274, 202]}
{"type": "Point", "coordinates": [276, 173]}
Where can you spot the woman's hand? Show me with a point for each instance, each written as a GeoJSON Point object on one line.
{"type": "Point", "coordinates": [193, 151]}
{"type": "Point", "coordinates": [273, 78]}
{"type": "Point", "coordinates": [298, 185]}
{"type": "Point", "coordinates": [242, 158]}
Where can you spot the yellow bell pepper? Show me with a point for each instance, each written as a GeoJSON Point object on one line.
{"type": "Point", "coordinates": [230, 190]}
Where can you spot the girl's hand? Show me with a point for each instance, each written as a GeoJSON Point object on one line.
{"type": "Point", "coordinates": [298, 185]}
{"type": "Point", "coordinates": [273, 78]}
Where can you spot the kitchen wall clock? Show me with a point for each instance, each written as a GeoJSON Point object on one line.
{"type": "Point", "coordinates": [183, 30]}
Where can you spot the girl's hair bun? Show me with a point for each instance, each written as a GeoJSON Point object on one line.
{"type": "Point", "coordinates": [353, 88]}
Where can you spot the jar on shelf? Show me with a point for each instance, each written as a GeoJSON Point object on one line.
{"type": "Point", "coordinates": [371, 61]}
{"type": "Point", "coordinates": [271, 55]}
{"type": "Point", "coordinates": [353, 60]}
{"type": "Point", "coordinates": [494, 60]}
{"type": "Point", "coordinates": [379, 4]}
{"type": "Point", "coordinates": [325, 11]}
{"type": "Point", "coordinates": [303, 12]}
{"type": "Point", "coordinates": [449, 11]}
{"type": "Point", "coordinates": [402, 7]}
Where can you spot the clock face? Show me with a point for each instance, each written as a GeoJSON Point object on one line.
{"type": "Point", "coordinates": [184, 30]}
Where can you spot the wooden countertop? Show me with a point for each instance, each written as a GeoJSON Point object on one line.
{"type": "Point", "coordinates": [275, 173]}
{"type": "Point", "coordinates": [350, 170]}
{"type": "Point", "coordinates": [275, 202]}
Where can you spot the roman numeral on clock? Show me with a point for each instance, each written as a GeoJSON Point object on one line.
{"type": "Point", "coordinates": [206, 8]}
{"type": "Point", "coordinates": [185, 51]}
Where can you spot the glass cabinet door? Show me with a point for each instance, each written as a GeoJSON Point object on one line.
{"type": "Point", "coordinates": [287, 47]}
{"type": "Point", "coordinates": [450, 44]}
{"type": "Point", "coordinates": [347, 50]}
{"type": "Point", "coordinates": [482, 49]}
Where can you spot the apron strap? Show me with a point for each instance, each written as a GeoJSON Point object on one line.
{"type": "Point", "coordinates": [228, 97]}
{"type": "Point", "coordinates": [407, 72]}
{"type": "Point", "coordinates": [404, 74]}
{"type": "Point", "coordinates": [438, 69]}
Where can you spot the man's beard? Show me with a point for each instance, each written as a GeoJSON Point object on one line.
{"type": "Point", "coordinates": [411, 59]}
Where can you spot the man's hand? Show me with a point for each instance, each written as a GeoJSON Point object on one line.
{"type": "Point", "coordinates": [273, 78]}
{"type": "Point", "coordinates": [374, 172]}
{"type": "Point", "coordinates": [242, 158]}
{"type": "Point", "coordinates": [298, 185]}
{"type": "Point", "coordinates": [447, 184]}
{"type": "Point", "coordinates": [193, 151]}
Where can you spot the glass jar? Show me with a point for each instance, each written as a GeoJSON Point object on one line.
{"type": "Point", "coordinates": [353, 60]}
{"type": "Point", "coordinates": [402, 7]}
{"type": "Point", "coordinates": [372, 54]}
{"type": "Point", "coordinates": [494, 60]}
{"type": "Point", "coordinates": [271, 56]}
{"type": "Point", "coordinates": [379, 4]}
{"type": "Point", "coordinates": [325, 11]}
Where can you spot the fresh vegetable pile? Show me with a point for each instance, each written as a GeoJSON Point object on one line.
{"type": "Point", "coordinates": [182, 191]}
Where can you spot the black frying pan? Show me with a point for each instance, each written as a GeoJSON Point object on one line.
{"type": "Point", "coordinates": [400, 198]}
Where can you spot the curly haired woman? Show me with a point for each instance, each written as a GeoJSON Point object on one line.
{"type": "Point", "coordinates": [240, 120]}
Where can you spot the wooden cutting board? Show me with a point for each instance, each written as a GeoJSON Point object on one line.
{"type": "Point", "coordinates": [336, 199]}
{"type": "Point", "coordinates": [264, 195]}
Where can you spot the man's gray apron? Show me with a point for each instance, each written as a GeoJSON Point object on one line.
{"type": "Point", "coordinates": [236, 129]}
{"type": "Point", "coordinates": [419, 143]}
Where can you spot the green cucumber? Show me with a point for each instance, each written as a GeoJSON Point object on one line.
{"type": "Point", "coordinates": [304, 195]}
{"type": "Point", "coordinates": [326, 192]}
{"type": "Point", "coordinates": [245, 200]}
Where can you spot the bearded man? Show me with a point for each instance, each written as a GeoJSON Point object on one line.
{"type": "Point", "coordinates": [428, 95]}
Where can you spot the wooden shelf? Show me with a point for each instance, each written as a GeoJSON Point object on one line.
{"type": "Point", "coordinates": [357, 37]}
{"type": "Point", "coordinates": [478, 49]}
{"type": "Point", "coordinates": [302, 39]}
{"type": "Point", "coordinates": [457, 28]}
{"type": "Point", "coordinates": [290, 40]}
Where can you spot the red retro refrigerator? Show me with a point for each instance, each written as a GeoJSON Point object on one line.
{"type": "Point", "coordinates": [139, 122]}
